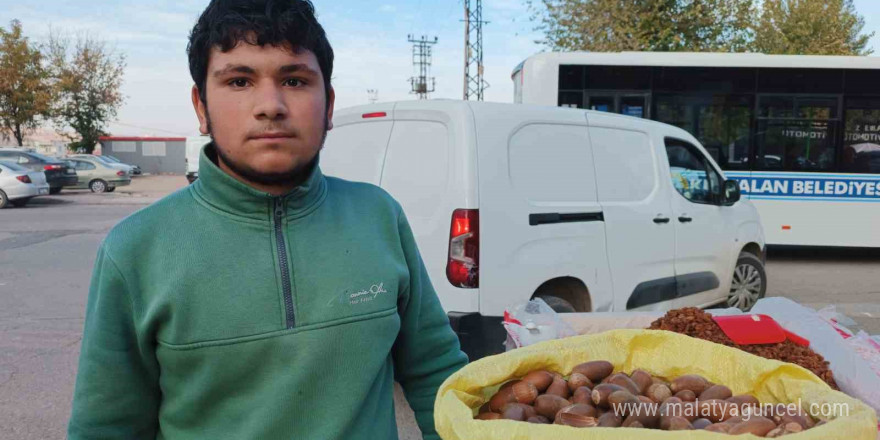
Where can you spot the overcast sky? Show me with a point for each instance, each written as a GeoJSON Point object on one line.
{"type": "Point", "coordinates": [369, 38]}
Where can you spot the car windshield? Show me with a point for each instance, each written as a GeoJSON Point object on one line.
{"type": "Point", "coordinates": [13, 166]}
{"type": "Point", "coordinates": [111, 159]}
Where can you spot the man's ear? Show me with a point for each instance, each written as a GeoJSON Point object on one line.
{"type": "Point", "coordinates": [201, 111]}
{"type": "Point", "coordinates": [331, 101]}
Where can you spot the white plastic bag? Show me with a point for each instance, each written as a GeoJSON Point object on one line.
{"type": "Point", "coordinates": [852, 372]}
{"type": "Point", "coordinates": [533, 322]}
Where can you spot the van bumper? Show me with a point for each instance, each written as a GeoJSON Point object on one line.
{"type": "Point", "coordinates": [479, 335]}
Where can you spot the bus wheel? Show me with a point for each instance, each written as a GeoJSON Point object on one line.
{"type": "Point", "coordinates": [749, 282]}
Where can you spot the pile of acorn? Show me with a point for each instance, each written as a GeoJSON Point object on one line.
{"type": "Point", "coordinates": [594, 396]}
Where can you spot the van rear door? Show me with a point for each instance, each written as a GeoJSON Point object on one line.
{"type": "Point", "coordinates": [540, 219]}
{"type": "Point", "coordinates": [355, 147]}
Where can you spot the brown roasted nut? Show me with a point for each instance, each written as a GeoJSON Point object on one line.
{"type": "Point", "coordinates": [582, 395]}
{"type": "Point", "coordinates": [643, 379]}
{"type": "Point", "coordinates": [525, 392]}
{"type": "Point", "coordinates": [691, 382]}
{"type": "Point", "coordinates": [541, 379]}
{"type": "Point", "coordinates": [648, 419]}
{"type": "Point", "coordinates": [538, 419]}
{"type": "Point", "coordinates": [675, 423]}
{"type": "Point", "coordinates": [610, 420]}
{"type": "Point", "coordinates": [759, 426]}
{"type": "Point", "coordinates": [594, 370]}
{"type": "Point", "coordinates": [485, 408]}
{"type": "Point", "coordinates": [716, 392]}
{"type": "Point", "coordinates": [701, 423]}
{"type": "Point", "coordinates": [514, 412]}
{"type": "Point", "coordinates": [634, 424]}
{"type": "Point", "coordinates": [528, 410]}
{"type": "Point", "coordinates": [647, 400]}
{"type": "Point", "coordinates": [502, 397]}
{"type": "Point", "coordinates": [743, 400]}
{"type": "Point", "coordinates": [718, 427]}
{"type": "Point", "coordinates": [488, 416]}
{"type": "Point", "coordinates": [602, 391]}
{"type": "Point", "coordinates": [579, 408]}
{"type": "Point", "coordinates": [655, 379]}
{"type": "Point", "coordinates": [548, 405]}
{"type": "Point", "coordinates": [624, 381]}
{"type": "Point", "coordinates": [658, 392]}
{"type": "Point", "coordinates": [559, 387]}
{"type": "Point", "coordinates": [690, 410]}
{"type": "Point", "coordinates": [621, 402]}
{"type": "Point", "coordinates": [686, 395]}
{"type": "Point", "coordinates": [577, 380]}
{"type": "Point", "coordinates": [576, 420]}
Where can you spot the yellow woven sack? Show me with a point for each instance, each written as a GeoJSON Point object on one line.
{"type": "Point", "coordinates": [661, 353]}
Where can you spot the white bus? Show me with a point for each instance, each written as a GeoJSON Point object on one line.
{"type": "Point", "coordinates": [800, 133]}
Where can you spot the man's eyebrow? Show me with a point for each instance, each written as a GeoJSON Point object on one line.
{"type": "Point", "coordinates": [237, 68]}
{"type": "Point", "coordinates": [293, 68]}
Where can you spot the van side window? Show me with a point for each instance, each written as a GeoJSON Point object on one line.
{"type": "Point", "coordinates": [625, 166]}
{"type": "Point", "coordinates": [692, 175]}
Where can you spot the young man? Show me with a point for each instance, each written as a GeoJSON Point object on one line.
{"type": "Point", "coordinates": [265, 301]}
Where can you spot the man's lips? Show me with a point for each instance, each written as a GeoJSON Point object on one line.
{"type": "Point", "coordinates": [273, 136]}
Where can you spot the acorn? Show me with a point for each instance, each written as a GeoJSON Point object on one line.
{"type": "Point", "coordinates": [582, 395]}
{"type": "Point", "coordinates": [559, 387]}
{"type": "Point", "coordinates": [577, 380]}
{"type": "Point", "coordinates": [548, 405]}
{"type": "Point", "coordinates": [525, 392]}
{"type": "Point", "coordinates": [594, 370]}
{"type": "Point", "coordinates": [541, 379]}
{"type": "Point", "coordinates": [488, 416]}
{"type": "Point", "coordinates": [643, 379]}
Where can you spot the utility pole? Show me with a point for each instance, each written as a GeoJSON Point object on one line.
{"type": "Point", "coordinates": [372, 95]}
{"type": "Point", "coordinates": [474, 84]}
{"type": "Point", "coordinates": [422, 85]}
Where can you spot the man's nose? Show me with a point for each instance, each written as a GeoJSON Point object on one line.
{"type": "Point", "coordinates": [270, 103]}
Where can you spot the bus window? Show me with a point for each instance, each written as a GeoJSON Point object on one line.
{"type": "Point", "coordinates": [796, 133]}
{"type": "Point", "coordinates": [720, 123]}
{"type": "Point", "coordinates": [601, 103]}
{"type": "Point", "coordinates": [861, 140]}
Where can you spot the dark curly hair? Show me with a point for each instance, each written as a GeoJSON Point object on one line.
{"type": "Point", "coordinates": [226, 23]}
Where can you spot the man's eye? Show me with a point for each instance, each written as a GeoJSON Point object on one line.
{"type": "Point", "coordinates": [294, 82]}
{"type": "Point", "coordinates": [239, 82]}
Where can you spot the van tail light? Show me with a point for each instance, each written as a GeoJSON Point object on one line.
{"type": "Point", "coordinates": [374, 115]}
{"type": "Point", "coordinates": [120, 173]}
{"type": "Point", "coordinates": [462, 270]}
{"type": "Point", "coordinates": [24, 179]}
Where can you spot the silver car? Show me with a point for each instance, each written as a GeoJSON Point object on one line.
{"type": "Point", "coordinates": [97, 175]}
{"type": "Point", "coordinates": [18, 185]}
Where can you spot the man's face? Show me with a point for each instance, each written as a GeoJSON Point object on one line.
{"type": "Point", "coordinates": [266, 111]}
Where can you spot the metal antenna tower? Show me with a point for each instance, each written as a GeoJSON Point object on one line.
{"type": "Point", "coordinates": [474, 84]}
{"type": "Point", "coordinates": [422, 85]}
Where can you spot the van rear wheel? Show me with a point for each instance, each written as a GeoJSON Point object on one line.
{"type": "Point", "coordinates": [558, 304]}
{"type": "Point", "coordinates": [749, 282]}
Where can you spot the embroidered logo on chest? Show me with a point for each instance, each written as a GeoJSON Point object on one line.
{"type": "Point", "coordinates": [367, 295]}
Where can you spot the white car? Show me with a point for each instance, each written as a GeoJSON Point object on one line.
{"type": "Point", "coordinates": [18, 185]}
{"type": "Point", "coordinates": [588, 210]}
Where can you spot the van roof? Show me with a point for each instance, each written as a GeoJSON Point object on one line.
{"type": "Point", "coordinates": [457, 105]}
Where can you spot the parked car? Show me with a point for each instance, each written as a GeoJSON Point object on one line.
{"type": "Point", "coordinates": [57, 173]}
{"type": "Point", "coordinates": [18, 185]}
{"type": "Point", "coordinates": [509, 202]}
{"type": "Point", "coordinates": [135, 170]}
{"type": "Point", "coordinates": [97, 175]}
{"type": "Point", "coordinates": [109, 160]}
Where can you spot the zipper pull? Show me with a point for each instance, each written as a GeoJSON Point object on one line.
{"type": "Point", "coordinates": [279, 208]}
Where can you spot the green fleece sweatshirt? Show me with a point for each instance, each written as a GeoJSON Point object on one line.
{"type": "Point", "coordinates": [222, 312]}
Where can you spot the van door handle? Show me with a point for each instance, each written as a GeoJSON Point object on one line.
{"type": "Point", "coordinates": [660, 219]}
{"type": "Point", "coordinates": [685, 219]}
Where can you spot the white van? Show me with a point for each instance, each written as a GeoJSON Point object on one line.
{"type": "Point", "coordinates": [194, 146]}
{"type": "Point", "coordinates": [590, 211]}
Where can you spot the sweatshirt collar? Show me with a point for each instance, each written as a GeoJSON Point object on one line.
{"type": "Point", "coordinates": [224, 192]}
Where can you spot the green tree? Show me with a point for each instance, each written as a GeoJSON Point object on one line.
{"type": "Point", "coordinates": [644, 25]}
{"type": "Point", "coordinates": [816, 27]}
{"type": "Point", "coordinates": [88, 80]}
{"type": "Point", "coordinates": [25, 91]}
